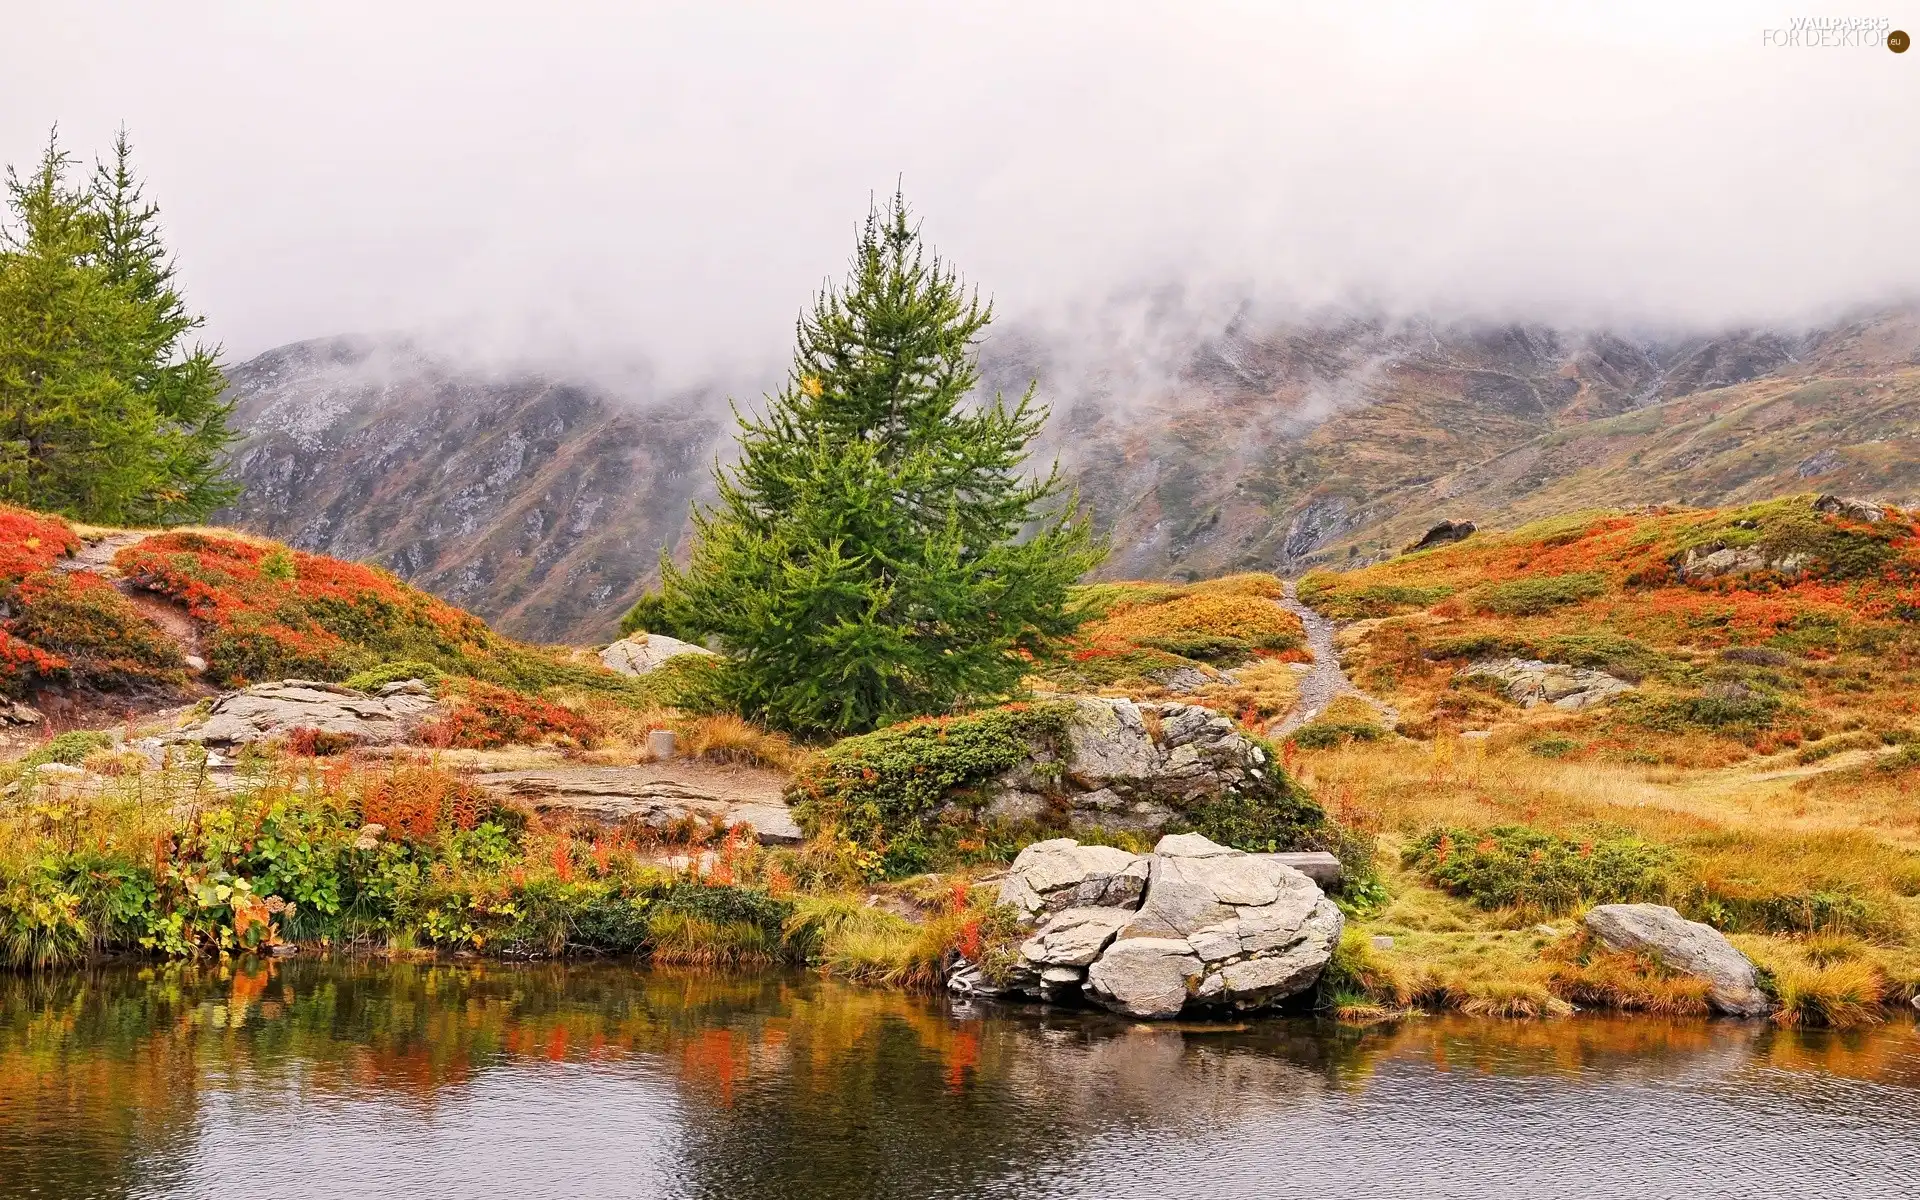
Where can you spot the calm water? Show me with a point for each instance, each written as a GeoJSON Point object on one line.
{"type": "Point", "coordinates": [319, 1080]}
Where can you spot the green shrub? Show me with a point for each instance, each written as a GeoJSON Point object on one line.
{"type": "Point", "coordinates": [1790, 526]}
{"type": "Point", "coordinates": [1323, 735]}
{"type": "Point", "coordinates": [1539, 594]}
{"type": "Point", "coordinates": [881, 787]}
{"type": "Point", "coordinates": [1514, 866]}
{"type": "Point", "coordinates": [1553, 747]}
{"type": "Point", "coordinates": [70, 748]}
{"type": "Point", "coordinates": [1731, 710]}
{"type": "Point", "coordinates": [1273, 813]}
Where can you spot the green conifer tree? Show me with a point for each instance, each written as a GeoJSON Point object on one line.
{"type": "Point", "coordinates": [877, 552]}
{"type": "Point", "coordinates": [106, 413]}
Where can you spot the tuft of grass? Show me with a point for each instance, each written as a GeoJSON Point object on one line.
{"type": "Point", "coordinates": [681, 938]}
{"type": "Point", "coordinates": [725, 738]}
{"type": "Point", "coordinates": [1591, 976]}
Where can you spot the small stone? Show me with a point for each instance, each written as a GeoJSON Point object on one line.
{"type": "Point", "coordinates": [195, 663]}
{"type": "Point", "coordinates": [17, 713]}
{"type": "Point", "coordinates": [1546, 931]}
{"type": "Point", "coordinates": [1382, 942]}
{"type": "Point", "coordinates": [661, 744]}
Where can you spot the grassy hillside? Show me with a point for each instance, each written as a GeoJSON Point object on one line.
{"type": "Point", "coordinates": [1762, 774]}
{"type": "Point", "coordinates": [1818, 634]}
{"type": "Point", "coordinates": [102, 613]}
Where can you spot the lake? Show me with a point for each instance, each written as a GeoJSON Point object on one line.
{"type": "Point", "coordinates": [315, 1079]}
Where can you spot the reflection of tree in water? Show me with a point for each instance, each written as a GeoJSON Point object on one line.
{"type": "Point", "coordinates": [788, 1085]}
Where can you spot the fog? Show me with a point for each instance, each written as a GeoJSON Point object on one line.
{"type": "Point", "coordinates": [668, 183]}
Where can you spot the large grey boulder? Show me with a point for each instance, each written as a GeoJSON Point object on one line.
{"type": "Point", "coordinates": [1446, 533]}
{"type": "Point", "coordinates": [1854, 510]}
{"type": "Point", "coordinates": [643, 653]}
{"type": "Point", "coordinates": [274, 710]}
{"type": "Point", "coordinates": [1528, 682]}
{"type": "Point", "coordinates": [1194, 924]}
{"type": "Point", "coordinates": [1145, 977]}
{"type": "Point", "coordinates": [1240, 930]}
{"type": "Point", "coordinates": [1060, 873]}
{"type": "Point", "coordinates": [1074, 937]}
{"type": "Point", "coordinates": [1687, 947]}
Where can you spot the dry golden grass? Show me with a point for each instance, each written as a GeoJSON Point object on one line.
{"type": "Point", "coordinates": [1751, 844]}
{"type": "Point", "coordinates": [725, 738]}
{"type": "Point", "coordinates": [1258, 693]}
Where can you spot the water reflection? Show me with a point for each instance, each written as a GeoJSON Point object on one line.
{"type": "Point", "coordinates": [337, 1080]}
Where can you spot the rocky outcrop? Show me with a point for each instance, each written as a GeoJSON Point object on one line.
{"type": "Point", "coordinates": [1139, 766]}
{"type": "Point", "coordinates": [642, 653]}
{"type": "Point", "coordinates": [1717, 559]}
{"type": "Point", "coordinates": [1865, 511]}
{"type": "Point", "coordinates": [1214, 927]}
{"type": "Point", "coordinates": [1529, 682]}
{"type": "Point", "coordinates": [1446, 533]}
{"type": "Point", "coordinates": [1683, 946]}
{"type": "Point", "coordinates": [267, 711]}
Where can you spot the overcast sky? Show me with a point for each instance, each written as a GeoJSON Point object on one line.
{"type": "Point", "coordinates": [674, 180]}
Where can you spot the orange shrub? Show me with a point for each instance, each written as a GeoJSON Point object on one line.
{"type": "Point", "coordinates": [414, 802]}
{"type": "Point", "coordinates": [489, 717]}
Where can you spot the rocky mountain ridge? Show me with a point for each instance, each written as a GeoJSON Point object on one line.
{"type": "Point", "coordinates": [544, 504]}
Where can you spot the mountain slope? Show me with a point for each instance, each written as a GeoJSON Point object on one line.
{"type": "Point", "coordinates": [544, 505]}
{"type": "Point", "coordinates": [541, 505]}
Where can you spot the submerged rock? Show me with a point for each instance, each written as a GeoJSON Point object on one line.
{"type": "Point", "coordinates": [1528, 682]}
{"type": "Point", "coordinates": [274, 710]}
{"type": "Point", "coordinates": [643, 653]}
{"type": "Point", "coordinates": [1687, 947]}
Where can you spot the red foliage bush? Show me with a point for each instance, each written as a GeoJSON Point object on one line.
{"type": "Point", "coordinates": [31, 542]}
{"type": "Point", "coordinates": [308, 742]}
{"type": "Point", "coordinates": [80, 618]}
{"type": "Point", "coordinates": [489, 717]}
{"type": "Point", "coordinates": [415, 802]}
{"type": "Point", "coordinates": [23, 665]}
{"type": "Point", "coordinates": [271, 611]}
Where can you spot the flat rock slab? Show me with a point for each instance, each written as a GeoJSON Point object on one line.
{"type": "Point", "coordinates": [272, 710]}
{"type": "Point", "coordinates": [657, 794]}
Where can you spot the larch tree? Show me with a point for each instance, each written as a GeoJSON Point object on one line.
{"type": "Point", "coordinates": [879, 551]}
{"type": "Point", "coordinates": [107, 413]}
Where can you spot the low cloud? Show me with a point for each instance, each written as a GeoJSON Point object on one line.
{"type": "Point", "coordinates": [656, 189]}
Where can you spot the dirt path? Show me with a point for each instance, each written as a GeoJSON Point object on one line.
{"type": "Point", "coordinates": [97, 556]}
{"type": "Point", "coordinates": [1325, 681]}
